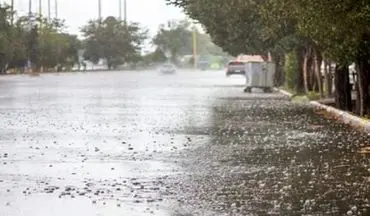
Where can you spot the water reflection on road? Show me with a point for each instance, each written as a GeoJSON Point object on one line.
{"type": "Point", "coordinates": [137, 143]}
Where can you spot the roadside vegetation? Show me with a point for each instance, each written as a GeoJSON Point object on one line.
{"type": "Point", "coordinates": [44, 45]}
{"type": "Point", "coordinates": [319, 38]}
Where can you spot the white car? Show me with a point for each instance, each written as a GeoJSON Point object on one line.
{"type": "Point", "coordinates": [168, 68]}
{"type": "Point", "coordinates": [235, 67]}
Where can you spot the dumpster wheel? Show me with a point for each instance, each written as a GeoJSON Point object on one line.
{"type": "Point", "coordinates": [267, 90]}
{"type": "Point", "coordinates": [248, 90]}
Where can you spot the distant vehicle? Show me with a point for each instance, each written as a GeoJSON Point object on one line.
{"type": "Point", "coordinates": [168, 68]}
{"type": "Point", "coordinates": [235, 67]}
{"type": "Point", "coordinates": [203, 63]}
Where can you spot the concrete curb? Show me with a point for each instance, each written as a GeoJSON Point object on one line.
{"type": "Point", "coordinates": [343, 116]}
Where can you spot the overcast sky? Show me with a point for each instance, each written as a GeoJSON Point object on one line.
{"type": "Point", "coordinates": [150, 13]}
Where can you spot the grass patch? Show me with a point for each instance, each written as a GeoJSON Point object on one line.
{"type": "Point", "coordinates": [300, 99]}
{"type": "Point", "coordinates": [313, 95]}
{"type": "Point", "coordinates": [310, 96]}
{"type": "Point", "coordinates": [287, 89]}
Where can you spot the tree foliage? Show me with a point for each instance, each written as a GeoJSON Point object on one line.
{"type": "Point", "coordinates": [336, 30]}
{"type": "Point", "coordinates": [175, 39]}
{"type": "Point", "coordinates": [113, 41]}
{"type": "Point", "coordinates": [235, 25]}
{"type": "Point", "coordinates": [290, 68]}
{"type": "Point", "coordinates": [34, 38]}
{"type": "Point", "coordinates": [337, 27]}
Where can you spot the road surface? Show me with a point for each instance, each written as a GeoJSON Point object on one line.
{"type": "Point", "coordinates": [139, 143]}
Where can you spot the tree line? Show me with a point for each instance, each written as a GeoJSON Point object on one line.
{"type": "Point", "coordinates": [44, 44]}
{"type": "Point", "coordinates": [49, 47]}
{"type": "Point", "coordinates": [175, 39]}
{"type": "Point", "coordinates": [301, 37]}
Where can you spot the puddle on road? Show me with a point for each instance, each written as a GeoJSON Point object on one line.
{"type": "Point", "coordinates": [92, 188]}
{"type": "Point", "coordinates": [92, 169]}
{"type": "Point", "coordinates": [220, 152]}
{"type": "Point", "coordinates": [46, 205]}
{"type": "Point", "coordinates": [134, 174]}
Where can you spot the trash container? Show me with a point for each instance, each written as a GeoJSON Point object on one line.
{"type": "Point", "coordinates": [259, 75]}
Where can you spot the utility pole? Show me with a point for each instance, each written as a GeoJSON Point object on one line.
{"type": "Point", "coordinates": [29, 64]}
{"type": "Point", "coordinates": [30, 15]}
{"type": "Point", "coordinates": [56, 9]}
{"type": "Point", "coordinates": [120, 10]}
{"type": "Point", "coordinates": [49, 10]}
{"type": "Point", "coordinates": [40, 8]}
{"type": "Point", "coordinates": [12, 8]}
{"type": "Point", "coordinates": [40, 13]}
{"type": "Point", "coordinates": [40, 28]}
{"type": "Point", "coordinates": [99, 9]}
{"type": "Point", "coordinates": [195, 47]}
{"type": "Point", "coordinates": [125, 10]}
{"type": "Point", "coordinates": [30, 8]}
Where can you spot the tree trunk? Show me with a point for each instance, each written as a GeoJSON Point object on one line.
{"type": "Point", "coordinates": [278, 77]}
{"type": "Point", "coordinates": [282, 62]}
{"type": "Point", "coordinates": [299, 84]}
{"type": "Point", "coordinates": [313, 84]}
{"type": "Point", "coordinates": [317, 63]}
{"type": "Point", "coordinates": [266, 56]}
{"type": "Point", "coordinates": [109, 63]}
{"type": "Point", "coordinates": [2, 63]}
{"type": "Point", "coordinates": [363, 85]}
{"type": "Point", "coordinates": [330, 79]}
{"type": "Point", "coordinates": [309, 73]}
{"type": "Point", "coordinates": [343, 98]}
{"type": "Point", "coordinates": [305, 72]}
{"type": "Point", "coordinates": [326, 79]}
{"type": "Point", "coordinates": [358, 95]}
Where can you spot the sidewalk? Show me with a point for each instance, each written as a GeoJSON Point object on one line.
{"type": "Point", "coordinates": [343, 116]}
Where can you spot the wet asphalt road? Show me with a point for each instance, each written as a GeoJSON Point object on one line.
{"type": "Point", "coordinates": [138, 143]}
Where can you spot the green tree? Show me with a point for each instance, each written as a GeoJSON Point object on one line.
{"type": "Point", "coordinates": [235, 25]}
{"type": "Point", "coordinates": [42, 41]}
{"type": "Point", "coordinates": [5, 36]}
{"type": "Point", "coordinates": [290, 68]}
{"type": "Point", "coordinates": [48, 45]}
{"type": "Point", "coordinates": [157, 56]}
{"type": "Point", "coordinates": [239, 26]}
{"type": "Point", "coordinates": [207, 47]}
{"type": "Point", "coordinates": [333, 30]}
{"type": "Point", "coordinates": [113, 41]}
{"type": "Point", "coordinates": [341, 29]}
{"type": "Point", "coordinates": [174, 39]}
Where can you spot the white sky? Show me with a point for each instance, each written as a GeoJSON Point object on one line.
{"type": "Point", "coordinates": [150, 13]}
